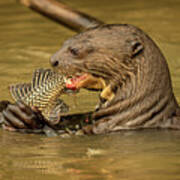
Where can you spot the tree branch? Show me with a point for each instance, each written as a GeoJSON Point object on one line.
{"type": "Point", "coordinates": [62, 14]}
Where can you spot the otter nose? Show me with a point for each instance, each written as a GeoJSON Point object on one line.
{"type": "Point", "coordinates": [54, 62]}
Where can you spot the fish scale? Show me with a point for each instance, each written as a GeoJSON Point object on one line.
{"type": "Point", "coordinates": [43, 93]}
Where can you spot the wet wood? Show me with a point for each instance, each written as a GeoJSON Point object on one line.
{"type": "Point", "coordinates": [62, 14]}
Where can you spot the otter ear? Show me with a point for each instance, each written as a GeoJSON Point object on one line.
{"type": "Point", "coordinates": [136, 48]}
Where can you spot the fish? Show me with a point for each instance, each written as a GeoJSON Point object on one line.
{"type": "Point", "coordinates": [43, 93]}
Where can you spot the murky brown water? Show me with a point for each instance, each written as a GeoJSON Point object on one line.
{"type": "Point", "coordinates": [27, 40]}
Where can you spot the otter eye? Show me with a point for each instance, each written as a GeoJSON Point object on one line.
{"type": "Point", "coordinates": [74, 51]}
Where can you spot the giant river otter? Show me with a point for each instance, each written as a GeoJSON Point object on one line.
{"type": "Point", "coordinates": [133, 74]}
{"type": "Point", "coordinates": [127, 67]}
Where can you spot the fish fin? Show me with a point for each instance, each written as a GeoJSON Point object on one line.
{"type": "Point", "coordinates": [56, 112]}
{"type": "Point", "coordinates": [13, 92]}
{"type": "Point", "coordinates": [19, 91]}
{"type": "Point", "coordinates": [40, 77]}
{"type": "Point", "coordinates": [35, 79]}
{"type": "Point", "coordinates": [47, 74]}
{"type": "Point", "coordinates": [42, 92]}
{"type": "Point", "coordinates": [60, 104]}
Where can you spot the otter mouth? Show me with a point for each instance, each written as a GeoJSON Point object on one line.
{"type": "Point", "coordinates": [76, 78]}
{"type": "Point", "coordinates": [85, 80]}
{"type": "Point", "coordinates": [90, 82]}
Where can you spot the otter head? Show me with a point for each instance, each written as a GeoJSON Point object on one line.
{"type": "Point", "coordinates": [129, 69]}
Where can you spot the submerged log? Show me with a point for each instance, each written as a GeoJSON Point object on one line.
{"type": "Point", "coordinates": [62, 14]}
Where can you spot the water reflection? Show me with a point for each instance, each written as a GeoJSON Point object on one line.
{"type": "Point", "coordinates": [131, 155]}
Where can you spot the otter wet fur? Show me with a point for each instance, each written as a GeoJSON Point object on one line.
{"type": "Point", "coordinates": [43, 93]}
{"type": "Point", "coordinates": [134, 73]}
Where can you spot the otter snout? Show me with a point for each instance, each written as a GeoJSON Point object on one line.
{"type": "Point", "coordinates": [54, 61]}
